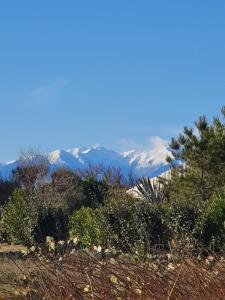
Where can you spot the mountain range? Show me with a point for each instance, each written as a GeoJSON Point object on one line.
{"type": "Point", "coordinates": [140, 163]}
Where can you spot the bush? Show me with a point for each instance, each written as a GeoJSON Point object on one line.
{"type": "Point", "coordinates": [154, 230]}
{"type": "Point", "coordinates": [26, 223]}
{"type": "Point", "coordinates": [181, 218]}
{"type": "Point", "coordinates": [20, 218]}
{"type": "Point", "coordinates": [51, 222]}
{"type": "Point", "coordinates": [121, 213]}
{"type": "Point", "coordinates": [94, 192]}
{"type": "Point", "coordinates": [133, 225]}
{"type": "Point", "coordinates": [87, 224]}
{"type": "Point", "coordinates": [213, 221]}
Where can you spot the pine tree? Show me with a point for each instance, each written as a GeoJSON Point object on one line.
{"type": "Point", "coordinates": [202, 151]}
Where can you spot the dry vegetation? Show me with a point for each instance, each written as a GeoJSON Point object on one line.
{"type": "Point", "coordinates": [84, 275]}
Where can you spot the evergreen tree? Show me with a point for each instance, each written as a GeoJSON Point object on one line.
{"type": "Point", "coordinates": [201, 155]}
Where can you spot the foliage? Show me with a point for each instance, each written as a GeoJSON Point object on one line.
{"type": "Point", "coordinates": [133, 225]}
{"type": "Point", "coordinates": [51, 222]}
{"type": "Point", "coordinates": [181, 218]}
{"type": "Point", "coordinates": [6, 189]}
{"type": "Point", "coordinates": [95, 191]}
{"type": "Point", "coordinates": [122, 214]}
{"type": "Point", "coordinates": [202, 155]}
{"type": "Point", "coordinates": [87, 224]}
{"type": "Point", "coordinates": [212, 223]}
{"type": "Point", "coordinates": [20, 218]}
{"type": "Point", "coordinates": [27, 223]}
{"type": "Point", "coordinates": [148, 191]}
{"type": "Point", "coordinates": [154, 228]}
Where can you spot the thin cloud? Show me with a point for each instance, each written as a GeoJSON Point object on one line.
{"type": "Point", "coordinates": [49, 92]}
{"type": "Point", "coordinates": [150, 143]}
{"type": "Point", "coordinates": [157, 143]}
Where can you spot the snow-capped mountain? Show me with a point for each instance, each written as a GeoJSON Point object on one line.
{"type": "Point", "coordinates": [149, 163]}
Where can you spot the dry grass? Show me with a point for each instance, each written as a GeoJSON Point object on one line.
{"type": "Point", "coordinates": [86, 276]}
{"type": "Point", "coordinates": [14, 266]}
{"type": "Point", "coordinates": [7, 248]}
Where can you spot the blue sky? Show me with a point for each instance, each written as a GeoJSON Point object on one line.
{"type": "Point", "coordinates": [116, 73]}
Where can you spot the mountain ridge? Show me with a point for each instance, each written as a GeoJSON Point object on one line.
{"type": "Point", "coordinates": [141, 163]}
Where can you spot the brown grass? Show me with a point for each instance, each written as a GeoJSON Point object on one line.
{"type": "Point", "coordinates": [86, 276]}
{"type": "Point", "coordinates": [7, 248]}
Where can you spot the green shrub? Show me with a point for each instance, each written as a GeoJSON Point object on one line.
{"type": "Point", "coordinates": [133, 225]}
{"type": "Point", "coordinates": [155, 230]}
{"type": "Point", "coordinates": [121, 213]}
{"type": "Point", "coordinates": [181, 218]}
{"type": "Point", "coordinates": [87, 224]}
{"type": "Point", "coordinates": [94, 191]}
{"type": "Point", "coordinates": [26, 223]}
{"type": "Point", "coordinates": [20, 218]}
{"type": "Point", "coordinates": [212, 224]}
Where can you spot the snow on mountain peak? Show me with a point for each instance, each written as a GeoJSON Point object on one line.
{"type": "Point", "coordinates": [151, 163]}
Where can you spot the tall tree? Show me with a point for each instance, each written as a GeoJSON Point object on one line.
{"type": "Point", "coordinates": [200, 152]}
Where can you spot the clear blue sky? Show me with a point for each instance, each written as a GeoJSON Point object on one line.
{"type": "Point", "coordinates": [77, 73]}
